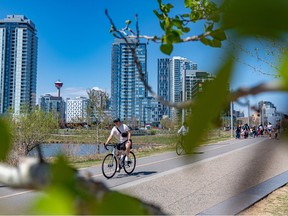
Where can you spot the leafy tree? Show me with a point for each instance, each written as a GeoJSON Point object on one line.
{"type": "Point", "coordinates": [29, 129]}
{"type": "Point", "coordinates": [167, 123]}
{"type": "Point", "coordinates": [96, 109]}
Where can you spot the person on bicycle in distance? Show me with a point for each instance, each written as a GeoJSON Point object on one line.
{"type": "Point", "coordinates": [183, 130]}
{"type": "Point", "coordinates": [122, 133]}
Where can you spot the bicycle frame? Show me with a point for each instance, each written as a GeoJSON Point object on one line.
{"type": "Point", "coordinates": [113, 159]}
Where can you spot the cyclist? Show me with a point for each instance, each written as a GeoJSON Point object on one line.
{"type": "Point", "coordinates": [122, 133]}
{"type": "Point", "coordinates": [183, 130]}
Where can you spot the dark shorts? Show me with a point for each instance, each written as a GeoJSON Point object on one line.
{"type": "Point", "coordinates": [122, 146]}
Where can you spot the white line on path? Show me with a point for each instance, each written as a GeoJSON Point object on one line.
{"type": "Point", "coordinates": [15, 194]}
{"type": "Point", "coordinates": [140, 181]}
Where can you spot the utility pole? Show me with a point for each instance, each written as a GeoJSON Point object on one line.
{"type": "Point", "coordinates": [231, 119]}
{"type": "Point", "coordinates": [183, 94]}
{"type": "Point", "coordinates": [248, 103]}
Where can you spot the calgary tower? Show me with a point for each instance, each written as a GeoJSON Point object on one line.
{"type": "Point", "coordinates": [58, 85]}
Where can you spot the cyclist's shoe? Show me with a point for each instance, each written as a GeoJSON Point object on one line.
{"type": "Point", "coordinates": [119, 169]}
{"type": "Point", "coordinates": [128, 162]}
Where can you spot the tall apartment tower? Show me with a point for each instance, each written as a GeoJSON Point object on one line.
{"type": "Point", "coordinates": [18, 68]}
{"type": "Point", "coordinates": [126, 86]}
{"type": "Point", "coordinates": [178, 66]}
{"type": "Point", "coordinates": [163, 90]}
{"type": "Point", "coordinates": [170, 75]}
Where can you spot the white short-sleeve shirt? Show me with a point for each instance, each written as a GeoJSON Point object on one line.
{"type": "Point", "coordinates": [116, 133]}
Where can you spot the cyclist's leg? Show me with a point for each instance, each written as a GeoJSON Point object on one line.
{"type": "Point", "coordinates": [119, 161]}
{"type": "Point", "coordinates": [127, 148]}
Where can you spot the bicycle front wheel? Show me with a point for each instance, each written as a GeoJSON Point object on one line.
{"type": "Point", "coordinates": [109, 166]}
{"type": "Point", "coordinates": [179, 148]}
{"type": "Point", "coordinates": [130, 165]}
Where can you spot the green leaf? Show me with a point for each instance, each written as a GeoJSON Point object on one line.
{"type": "Point", "coordinates": [218, 34]}
{"type": "Point", "coordinates": [174, 36]}
{"type": "Point", "coordinates": [57, 201]}
{"type": "Point", "coordinates": [257, 17]}
{"type": "Point", "coordinates": [169, 6]}
{"type": "Point", "coordinates": [119, 207]}
{"type": "Point", "coordinates": [166, 48]}
{"type": "Point", "coordinates": [208, 106]}
{"type": "Point", "coordinates": [5, 139]}
{"type": "Point", "coordinates": [160, 16]}
{"type": "Point", "coordinates": [188, 3]}
{"type": "Point", "coordinates": [216, 43]}
{"type": "Point", "coordinates": [283, 72]}
{"type": "Point", "coordinates": [177, 23]}
{"type": "Point", "coordinates": [186, 30]}
{"type": "Point", "coordinates": [205, 41]}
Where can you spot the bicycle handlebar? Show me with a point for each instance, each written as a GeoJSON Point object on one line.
{"type": "Point", "coordinates": [105, 147]}
{"type": "Point", "coordinates": [114, 145]}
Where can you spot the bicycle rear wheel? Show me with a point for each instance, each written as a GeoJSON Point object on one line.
{"type": "Point", "coordinates": [179, 148]}
{"type": "Point", "coordinates": [130, 165]}
{"type": "Point", "coordinates": [109, 166]}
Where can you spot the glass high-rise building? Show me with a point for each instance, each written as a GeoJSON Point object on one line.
{"type": "Point", "coordinates": [170, 75]}
{"type": "Point", "coordinates": [163, 88]}
{"type": "Point", "coordinates": [54, 104]}
{"type": "Point", "coordinates": [18, 67]}
{"type": "Point", "coordinates": [126, 86]}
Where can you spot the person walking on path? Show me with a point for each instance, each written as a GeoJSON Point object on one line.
{"type": "Point", "coordinates": [269, 130]}
{"type": "Point", "coordinates": [238, 131]}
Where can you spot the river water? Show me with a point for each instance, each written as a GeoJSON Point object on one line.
{"type": "Point", "coordinates": [52, 150]}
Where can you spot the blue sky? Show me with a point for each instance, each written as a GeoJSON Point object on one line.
{"type": "Point", "coordinates": [75, 44]}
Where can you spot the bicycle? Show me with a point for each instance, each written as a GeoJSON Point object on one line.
{"type": "Point", "coordinates": [110, 161]}
{"type": "Point", "coordinates": [179, 147]}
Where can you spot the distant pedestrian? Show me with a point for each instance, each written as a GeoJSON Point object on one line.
{"type": "Point", "coordinates": [238, 131]}
{"type": "Point", "coordinates": [254, 131]}
{"type": "Point", "coordinates": [261, 129]}
{"type": "Point", "coordinates": [269, 130]}
{"type": "Point", "coordinates": [277, 130]}
{"type": "Point", "coordinates": [246, 130]}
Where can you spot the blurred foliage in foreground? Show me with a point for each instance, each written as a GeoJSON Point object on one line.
{"type": "Point", "coordinates": [244, 18]}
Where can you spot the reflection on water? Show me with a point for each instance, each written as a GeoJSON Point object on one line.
{"type": "Point", "coordinates": [52, 150]}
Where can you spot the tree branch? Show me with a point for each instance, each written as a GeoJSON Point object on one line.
{"type": "Point", "coordinates": [274, 86]}
{"type": "Point", "coordinates": [32, 174]}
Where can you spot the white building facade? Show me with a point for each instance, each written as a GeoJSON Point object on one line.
{"type": "Point", "coordinates": [76, 110]}
{"type": "Point", "coordinates": [268, 113]}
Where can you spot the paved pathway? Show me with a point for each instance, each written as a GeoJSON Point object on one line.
{"type": "Point", "coordinates": [210, 185]}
